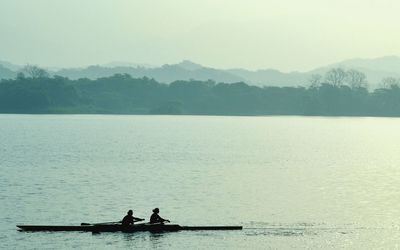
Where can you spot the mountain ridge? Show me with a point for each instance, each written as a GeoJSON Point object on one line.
{"type": "Point", "coordinates": [375, 69]}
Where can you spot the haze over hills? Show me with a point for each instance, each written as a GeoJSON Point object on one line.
{"type": "Point", "coordinates": [6, 73]}
{"type": "Point", "coordinates": [375, 69]}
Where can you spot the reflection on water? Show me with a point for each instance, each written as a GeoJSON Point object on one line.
{"type": "Point", "coordinates": [292, 182]}
{"type": "Point", "coordinates": [156, 239]}
{"type": "Point", "coordinates": [296, 229]}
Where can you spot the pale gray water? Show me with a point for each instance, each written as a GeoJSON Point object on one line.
{"type": "Point", "coordinates": [292, 182]}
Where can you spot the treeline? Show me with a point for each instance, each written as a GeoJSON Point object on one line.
{"type": "Point", "coordinates": [337, 93]}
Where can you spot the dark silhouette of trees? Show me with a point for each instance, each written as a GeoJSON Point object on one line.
{"type": "Point", "coordinates": [335, 77]}
{"type": "Point", "coordinates": [34, 71]}
{"type": "Point", "coordinates": [356, 79]}
{"type": "Point", "coordinates": [390, 82]}
{"type": "Point", "coordinates": [338, 93]}
{"type": "Point", "coordinates": [315, 80]}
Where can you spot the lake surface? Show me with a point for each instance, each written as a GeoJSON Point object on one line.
{"type": "Point", "coordinates": [292, 182]}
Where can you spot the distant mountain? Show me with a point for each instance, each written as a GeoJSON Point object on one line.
{"type": "Point", "coordinates": [6, 73]}
{"type": "Point", "coordinates": [8, 70]}
{"type": "Point", "coordinates": [375, 69]}
{"type": "Point", "coordinates": [385, 64]}
{"type": "Point", "coordinates": [271, 77]}
{"type": "Point", "coordinates": [11, 66]}
{"type": "Point", "coordinates": [187, 70]}
{"type": "Point", "coordinates": [127, 64]}
{"type": "Point", "coordinates": [166, 73]}
{"type": "Point", "coordinates": [188, 65]}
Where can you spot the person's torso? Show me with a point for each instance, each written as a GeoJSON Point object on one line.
{"type": "Point", "coordinates": [154, 218]}
{"type": "Point", "coordinates": [128, 219]}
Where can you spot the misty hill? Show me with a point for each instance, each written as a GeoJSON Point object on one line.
{"type": "Point", "coordinates": [127, 64]}
{"type": "Point", "coordinates": [187, 70]}
{"type": "Point", "coordinates": [375, 69]}
{"type": "Point", "coordinates": [10, 66]}
{"type": "Point", "coordinates": [271, 77]}
{"type": "Point", "coordinates": [166, 73]}
{"type": "Point", "coordinates": [189, 65]}
{"type": "Point", "coordinates": [386, 64]}
{"type": "Point", "coordinates": [6, 73]}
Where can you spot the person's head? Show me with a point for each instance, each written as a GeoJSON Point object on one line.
{"type": "Point", "coordinates": [156, 210]}
{"type": "Point", "coordinates": [130, 212]}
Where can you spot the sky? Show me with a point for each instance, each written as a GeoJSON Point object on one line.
{"type": "Point", "coordinates": [288, 35]}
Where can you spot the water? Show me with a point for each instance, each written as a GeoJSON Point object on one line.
{"type": "Point", "coordinates": [292, 182]}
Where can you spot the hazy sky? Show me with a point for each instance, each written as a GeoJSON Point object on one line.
{"type": "Point", "coordinates": [282, 34]}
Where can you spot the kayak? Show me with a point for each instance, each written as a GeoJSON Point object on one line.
{"type": "Point", "coordinates": [120, 228]}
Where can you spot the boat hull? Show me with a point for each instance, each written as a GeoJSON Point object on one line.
{"type": "Point", "coordinates": [103, 228]}
{"type": "Point", "coordinates": [120, 228]}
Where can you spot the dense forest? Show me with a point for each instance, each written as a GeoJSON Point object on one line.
{"type": "Point", "coordinates": [337, 93]}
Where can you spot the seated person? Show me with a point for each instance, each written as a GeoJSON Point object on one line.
{"type": "Point", "coordinates": [155, 218]}
{"type": "Point", "coordinates": [129, 219]}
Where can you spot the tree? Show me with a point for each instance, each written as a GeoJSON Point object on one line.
{"type": "Point", "coordinates": [335, 77]}
{"type": "Point", "coordinates": [20, 76]}
{"type": "Point", "coordinates": [315, 80]}
{"type": "Point", "coordinates": [390, 82]}
{"type": "Point", "coordinates": [35, 72]}
{"type": "Point", "coordinates": [356, 79]}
